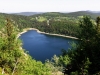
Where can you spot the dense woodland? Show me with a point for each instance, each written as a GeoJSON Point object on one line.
{"type": "Point", "coordinates": [82, 59]}
{"type": "Point", "coordinates": [50, 24]}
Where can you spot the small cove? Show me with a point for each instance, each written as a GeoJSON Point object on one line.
{"type": "Point", "coordinates": [42, 46]}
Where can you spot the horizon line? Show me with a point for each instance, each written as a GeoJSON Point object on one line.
{"type": "Point", "coordinates": [51, 11]}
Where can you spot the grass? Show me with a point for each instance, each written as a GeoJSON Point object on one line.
{"type": "Point", "coordinates": [41, 19]}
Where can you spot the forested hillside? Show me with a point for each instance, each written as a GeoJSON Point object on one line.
{"type": "Point", "coordinates": [27, 13]}
{"type": "Point", "coordinates": [47, 23]}
{"type": "Point", "coordinates": [13, 59]}
{"type": "Point", "coordinates": [82, 59]}
{"type": "Point", "coordinates": [51, 22]}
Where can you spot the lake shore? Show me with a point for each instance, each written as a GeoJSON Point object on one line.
{"type": "Point", "coordinates": [26, 29]}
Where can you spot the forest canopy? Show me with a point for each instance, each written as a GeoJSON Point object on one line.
{"type": "Point", "coordinates": [82, 59]}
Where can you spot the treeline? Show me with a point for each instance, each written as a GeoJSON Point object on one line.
{"type": "Point", "coordinates": [58, 25]}
{"type": "Point", "coordinates": [16, 61]}
{"type": "Point", "coordinates": [83, 58]}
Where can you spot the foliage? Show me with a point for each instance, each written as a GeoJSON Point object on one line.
{"type": "Point", "coordinates": [85, 57]}
{"type": "Point", "coordinates": [82, 59]}
{"type": "Point", "coordinates": [50, 22]}
{"type": "Point", "coordinates": [54, 65]}
{"type": "Point", "coordinates": [13, 60]}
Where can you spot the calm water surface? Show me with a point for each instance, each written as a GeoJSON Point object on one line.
{"type": "Point", "coordinates": [41, 46]}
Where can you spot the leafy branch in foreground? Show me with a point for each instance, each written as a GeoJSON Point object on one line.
{"type": "Point", "coordinates": [85, 59]}
{"type": "Point", "coordinates": [13, 59]}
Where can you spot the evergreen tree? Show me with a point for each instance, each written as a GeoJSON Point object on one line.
{"type": "Point", "coordinates": [13, 59]}
{"type": "Point", "coordinates": [84, 58]}
{"type": "Point", "coordinates": [9, 50]}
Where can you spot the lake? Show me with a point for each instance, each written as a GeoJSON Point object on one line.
{"type": "Point", "coordinates": [42, 46]}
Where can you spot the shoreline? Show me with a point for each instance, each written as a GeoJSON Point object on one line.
{"type": "Point", "coordinates": [26, 29]}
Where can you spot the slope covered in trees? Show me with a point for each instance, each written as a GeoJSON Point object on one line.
{"type": "Point", "coordinates": [84, 56]}
{"type": "Point", "coordinates": [51, 22]}
{"type": "Point", "coordinates": [27, 13]}
{"type": "Point", "coordinates": [82, 59]}
{"type": "Point", "coordinates": [13, 59]}
{"type": "Point", "coordinates": [47, 23]}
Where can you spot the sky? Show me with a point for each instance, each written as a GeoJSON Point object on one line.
{"type": "Point", "coordinates": [13, 6]}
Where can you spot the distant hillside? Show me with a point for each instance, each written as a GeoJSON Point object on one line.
{"type": "Point", "coordinates": [95, 11]}
{"type": "Point", "coordinates": [52, 22]}
{"type": "Point", "coordinates": [93, 14]}
{"type": "Point", "coordinates": [27, 13]}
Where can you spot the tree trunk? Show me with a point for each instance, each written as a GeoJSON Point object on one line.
{"type": "Point", "coordinates": [3, 71]}
{"type": "Point", "coordinates": [15, 67]}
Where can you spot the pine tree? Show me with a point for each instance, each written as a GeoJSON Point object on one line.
{"type": "Point", "coordinates": [13, 59]}
{"type": "Point", "coordinates": [86, 57]}
{"type": "Point", "coordinates": [9, 49]}
{"type": "Point", "coordinates": [83, 56]}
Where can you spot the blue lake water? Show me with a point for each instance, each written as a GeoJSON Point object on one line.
{"type": "Point", "coordinates": [42, 46]}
